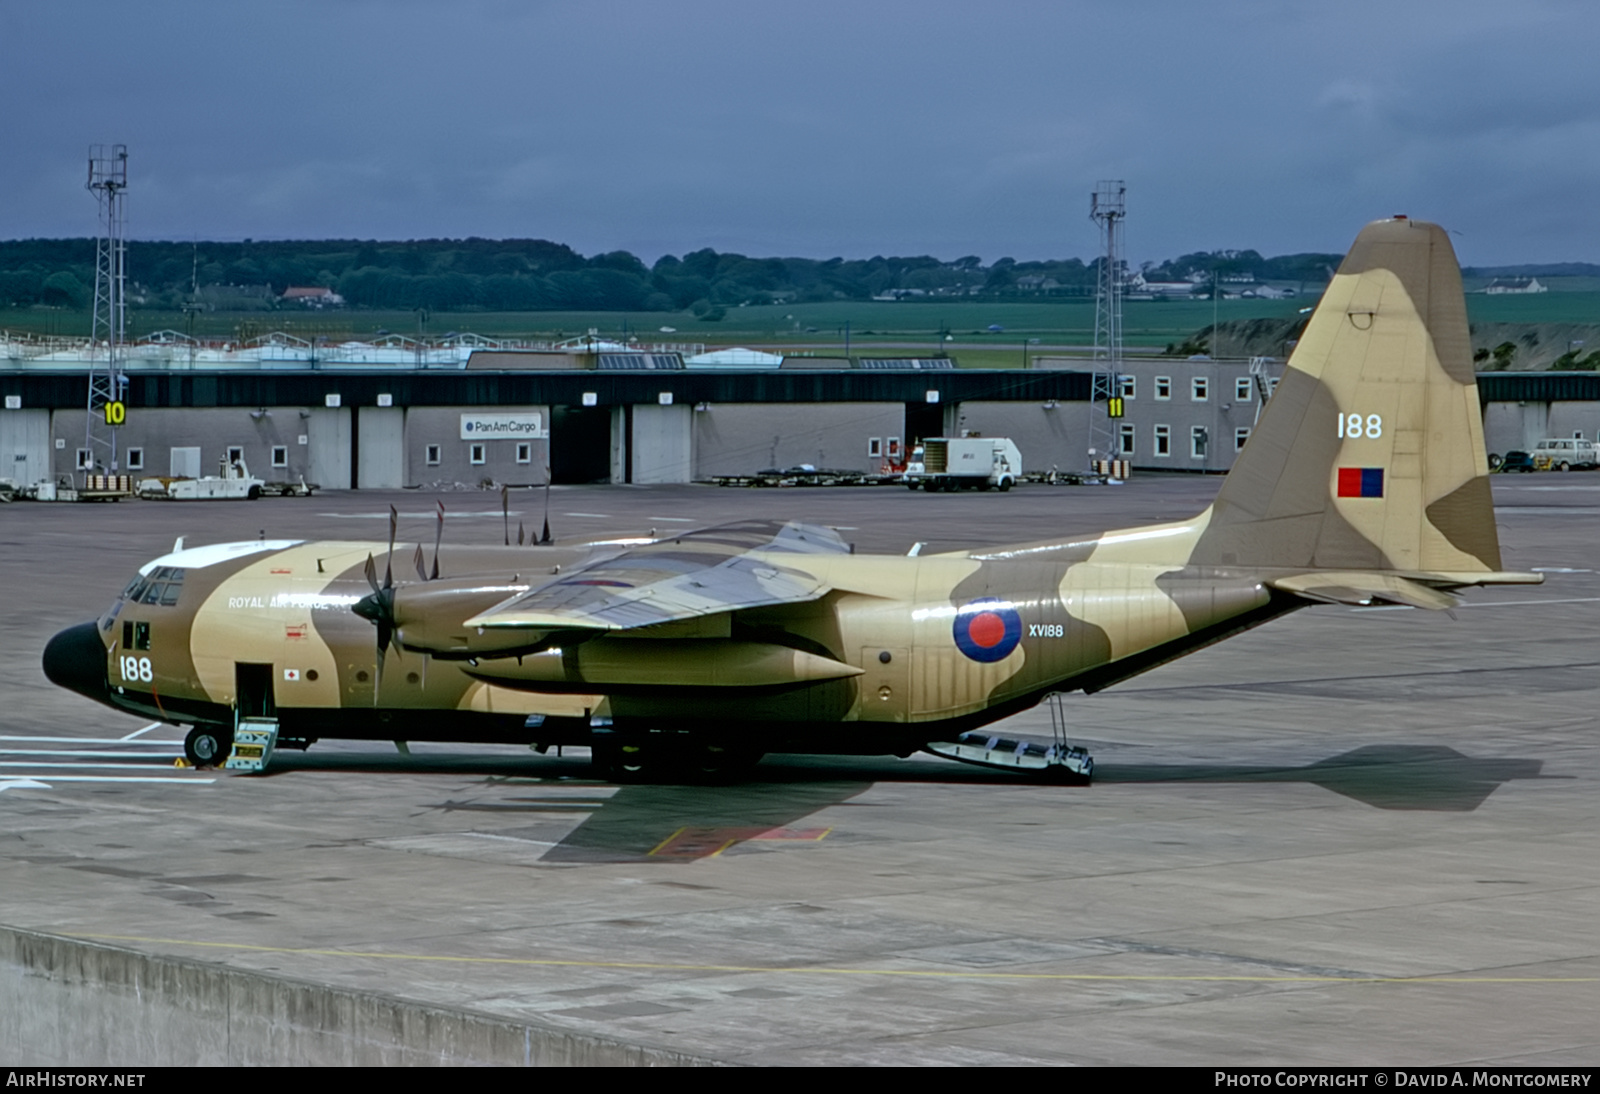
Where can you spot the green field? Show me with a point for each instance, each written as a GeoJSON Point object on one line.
{"type": "Point", "coordinates": [914, 328]}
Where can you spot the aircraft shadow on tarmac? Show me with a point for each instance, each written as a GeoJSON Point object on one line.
{"type": "Point", "coordinates": [1426, 777]}
{"type": "Point", "coordinates": [679, 823]}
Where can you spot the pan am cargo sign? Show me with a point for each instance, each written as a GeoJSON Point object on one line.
{"type": "Point", "coordinates": [503, 427]}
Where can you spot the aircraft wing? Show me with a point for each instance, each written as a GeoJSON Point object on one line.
{"type": "Point", "coordinates": [748, 564]}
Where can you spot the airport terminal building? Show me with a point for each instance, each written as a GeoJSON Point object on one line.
{"type": "Point", "coordinates": [630, 416]}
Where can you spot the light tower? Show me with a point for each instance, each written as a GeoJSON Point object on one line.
{"type": "Point", "coordinates": [108, 181]}
{"type": "Point", "coordinates": [1108, 209]}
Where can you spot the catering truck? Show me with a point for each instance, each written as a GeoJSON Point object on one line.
{"type": "Point", "coordinates": [956, 463]}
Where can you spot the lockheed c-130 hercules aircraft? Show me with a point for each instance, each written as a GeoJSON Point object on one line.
{"type": "Point", "coordinates": [1364, 482]}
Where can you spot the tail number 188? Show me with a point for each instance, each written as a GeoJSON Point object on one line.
{"type": "Point", "coordinates": [1353, 427]}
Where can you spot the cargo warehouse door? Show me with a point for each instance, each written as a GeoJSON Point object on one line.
{"type": "Point", "coordinates": [580, 444]}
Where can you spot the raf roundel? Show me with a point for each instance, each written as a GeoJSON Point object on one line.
{"type": "Point", "coordinates": [987, 630]}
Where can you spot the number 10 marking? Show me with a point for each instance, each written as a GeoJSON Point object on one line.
{"type": "Point", "coordinates": [1351, 427]}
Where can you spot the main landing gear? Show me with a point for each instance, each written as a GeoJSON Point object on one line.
{"type": "Point", "coordinates": [662, 757]}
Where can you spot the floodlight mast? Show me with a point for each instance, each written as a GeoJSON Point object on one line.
{"type": "Point", "coordinates": [108, 181]}
{"type": "Point", "coordinates": [1108, 209]}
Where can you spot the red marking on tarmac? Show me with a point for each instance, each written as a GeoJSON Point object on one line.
{"type": "Point", "coordinates": [696, 842]}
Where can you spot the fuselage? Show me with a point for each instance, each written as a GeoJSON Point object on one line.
{"type": "Point", "coordinates": [899, 652]}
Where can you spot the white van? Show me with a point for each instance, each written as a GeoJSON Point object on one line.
{"type": "Point", "coordinates": [1565, 454]}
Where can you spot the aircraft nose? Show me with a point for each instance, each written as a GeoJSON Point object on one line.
{"type": "Point", "coordinates": [76, 659]}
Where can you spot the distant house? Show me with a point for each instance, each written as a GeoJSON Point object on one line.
{"type": "Point", "coordinates": [312, 296]}
{"type": "Point", "coordinates": [1504, 285]}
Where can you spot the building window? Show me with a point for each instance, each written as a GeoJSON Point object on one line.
{"type": "Point", "coordinates": [1199, 439]}
{"type": "Point", "coordinates": [1130, 387]}
{"type": "Point", "coordinates": [476, 454]}
{"type": "Point", "coordinates": [135, 459]}
{"type": "Point", "coordinates": [1163, 440]}
{"type": "Point", "coordinates": [280, 455]}
{"type": "Point", "coordinates": [1126, 444]}
{"type": "Point", "coordinates": [524, 452]}
{"type": "Point", "coordinates": [235, 454]}
{"type": "Point", "coordinates": [1240, 435]}
{"type": "Point", "coordinates": [1201, 389]}
{"type": "Point", "coordinates": [1241, 389]}
{"type": "Point", "coordinates": [894, 448]}
{"type": "Point", "coordinates": [1272, 386]}
{"type": "Point", "coordinates": [431, 455]}
{"type": "Point", "coordinates": [85, 460]}
{"type": "Point", "coordinates": [875, 447]}
{"type": "Point", "coordinates": [1163, 388]}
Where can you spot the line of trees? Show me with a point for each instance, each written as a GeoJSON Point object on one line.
{"type": "Point", "coordinates": [535, 274]}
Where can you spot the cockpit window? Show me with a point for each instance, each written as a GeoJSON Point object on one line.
{"type": "Point", "coordinates": [161, 586]}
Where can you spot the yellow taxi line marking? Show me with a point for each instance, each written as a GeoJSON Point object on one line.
{"type": "Point", "coordinates": [817, 970]}
{"type": "Point", "coordinates": [668, 840]}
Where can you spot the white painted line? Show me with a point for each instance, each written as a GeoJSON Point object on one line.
{"type": "Point", "coordinates": [142, 732]}
{"type": "Point", "coordinates": [94, 741]}
{"type": "Point", "coordinates": [73, 752]}
{"type": "Point", "coordinates": [22, 784]}
{"type": "Point", "coordinates": [676, 520]}
{"type": "Point", "coordinates": [113, 767]}
{"type": "Point", "coordinates": [120, 779]}
{"type": "Point", "coordinates": [597, 516]}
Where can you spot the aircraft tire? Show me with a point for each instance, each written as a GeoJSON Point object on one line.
{"type": "Point", "coordinates": [719, 763]}
{"type": "Point", "coordinates": [205, 746]}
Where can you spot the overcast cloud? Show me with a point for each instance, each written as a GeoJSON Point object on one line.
{"type": "Point", "coordinates": [817, 129]}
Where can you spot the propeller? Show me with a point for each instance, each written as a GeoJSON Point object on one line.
{"type": "Point", "coordinates": [438, 538]}
{"type": "Point", "coordinates": [545, 540]}
{"type": "Point", "coordinates": [378, 608]}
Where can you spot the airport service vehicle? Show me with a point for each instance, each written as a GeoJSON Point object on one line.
{"type": "Point", "coordinates": [1515, 460]}
{"type": "Point", "coordinates": [957, 463]}
{"type": "Point", "coordinates": [233, 482]}
{"type": "Point", "coordinates": [1364, 482]}
{"type": "Point", "coordinates": [1565, 454]}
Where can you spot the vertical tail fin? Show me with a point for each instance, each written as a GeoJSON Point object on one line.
{"type": "Point", "coordinates": [1370, 454]}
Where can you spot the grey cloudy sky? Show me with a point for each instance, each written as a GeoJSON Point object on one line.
{"type": "Point", "coordinates": [816, 129]}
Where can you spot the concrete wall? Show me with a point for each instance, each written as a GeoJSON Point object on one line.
{"type": "Point", "coordinates": [441, 426]}
{"type": "Point", "coordinates": [1048, 437]}
{"type": "Point", "coordinates": [663, 446]}
{"type": "Point", "coordinates": [741, 438]}
{"type": "Point", "coordinates": [25, 453]}
{"type": "Point", "coordinates": [155, 432]}
{"type": "Point", "coordinates": [75, 1003]}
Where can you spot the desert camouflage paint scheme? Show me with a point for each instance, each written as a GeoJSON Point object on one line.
{"type": "Point", "coordinates": [1364, 482]}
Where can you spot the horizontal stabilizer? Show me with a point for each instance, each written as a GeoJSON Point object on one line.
{"type": "Point", "coordinates": [1363, 588]}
